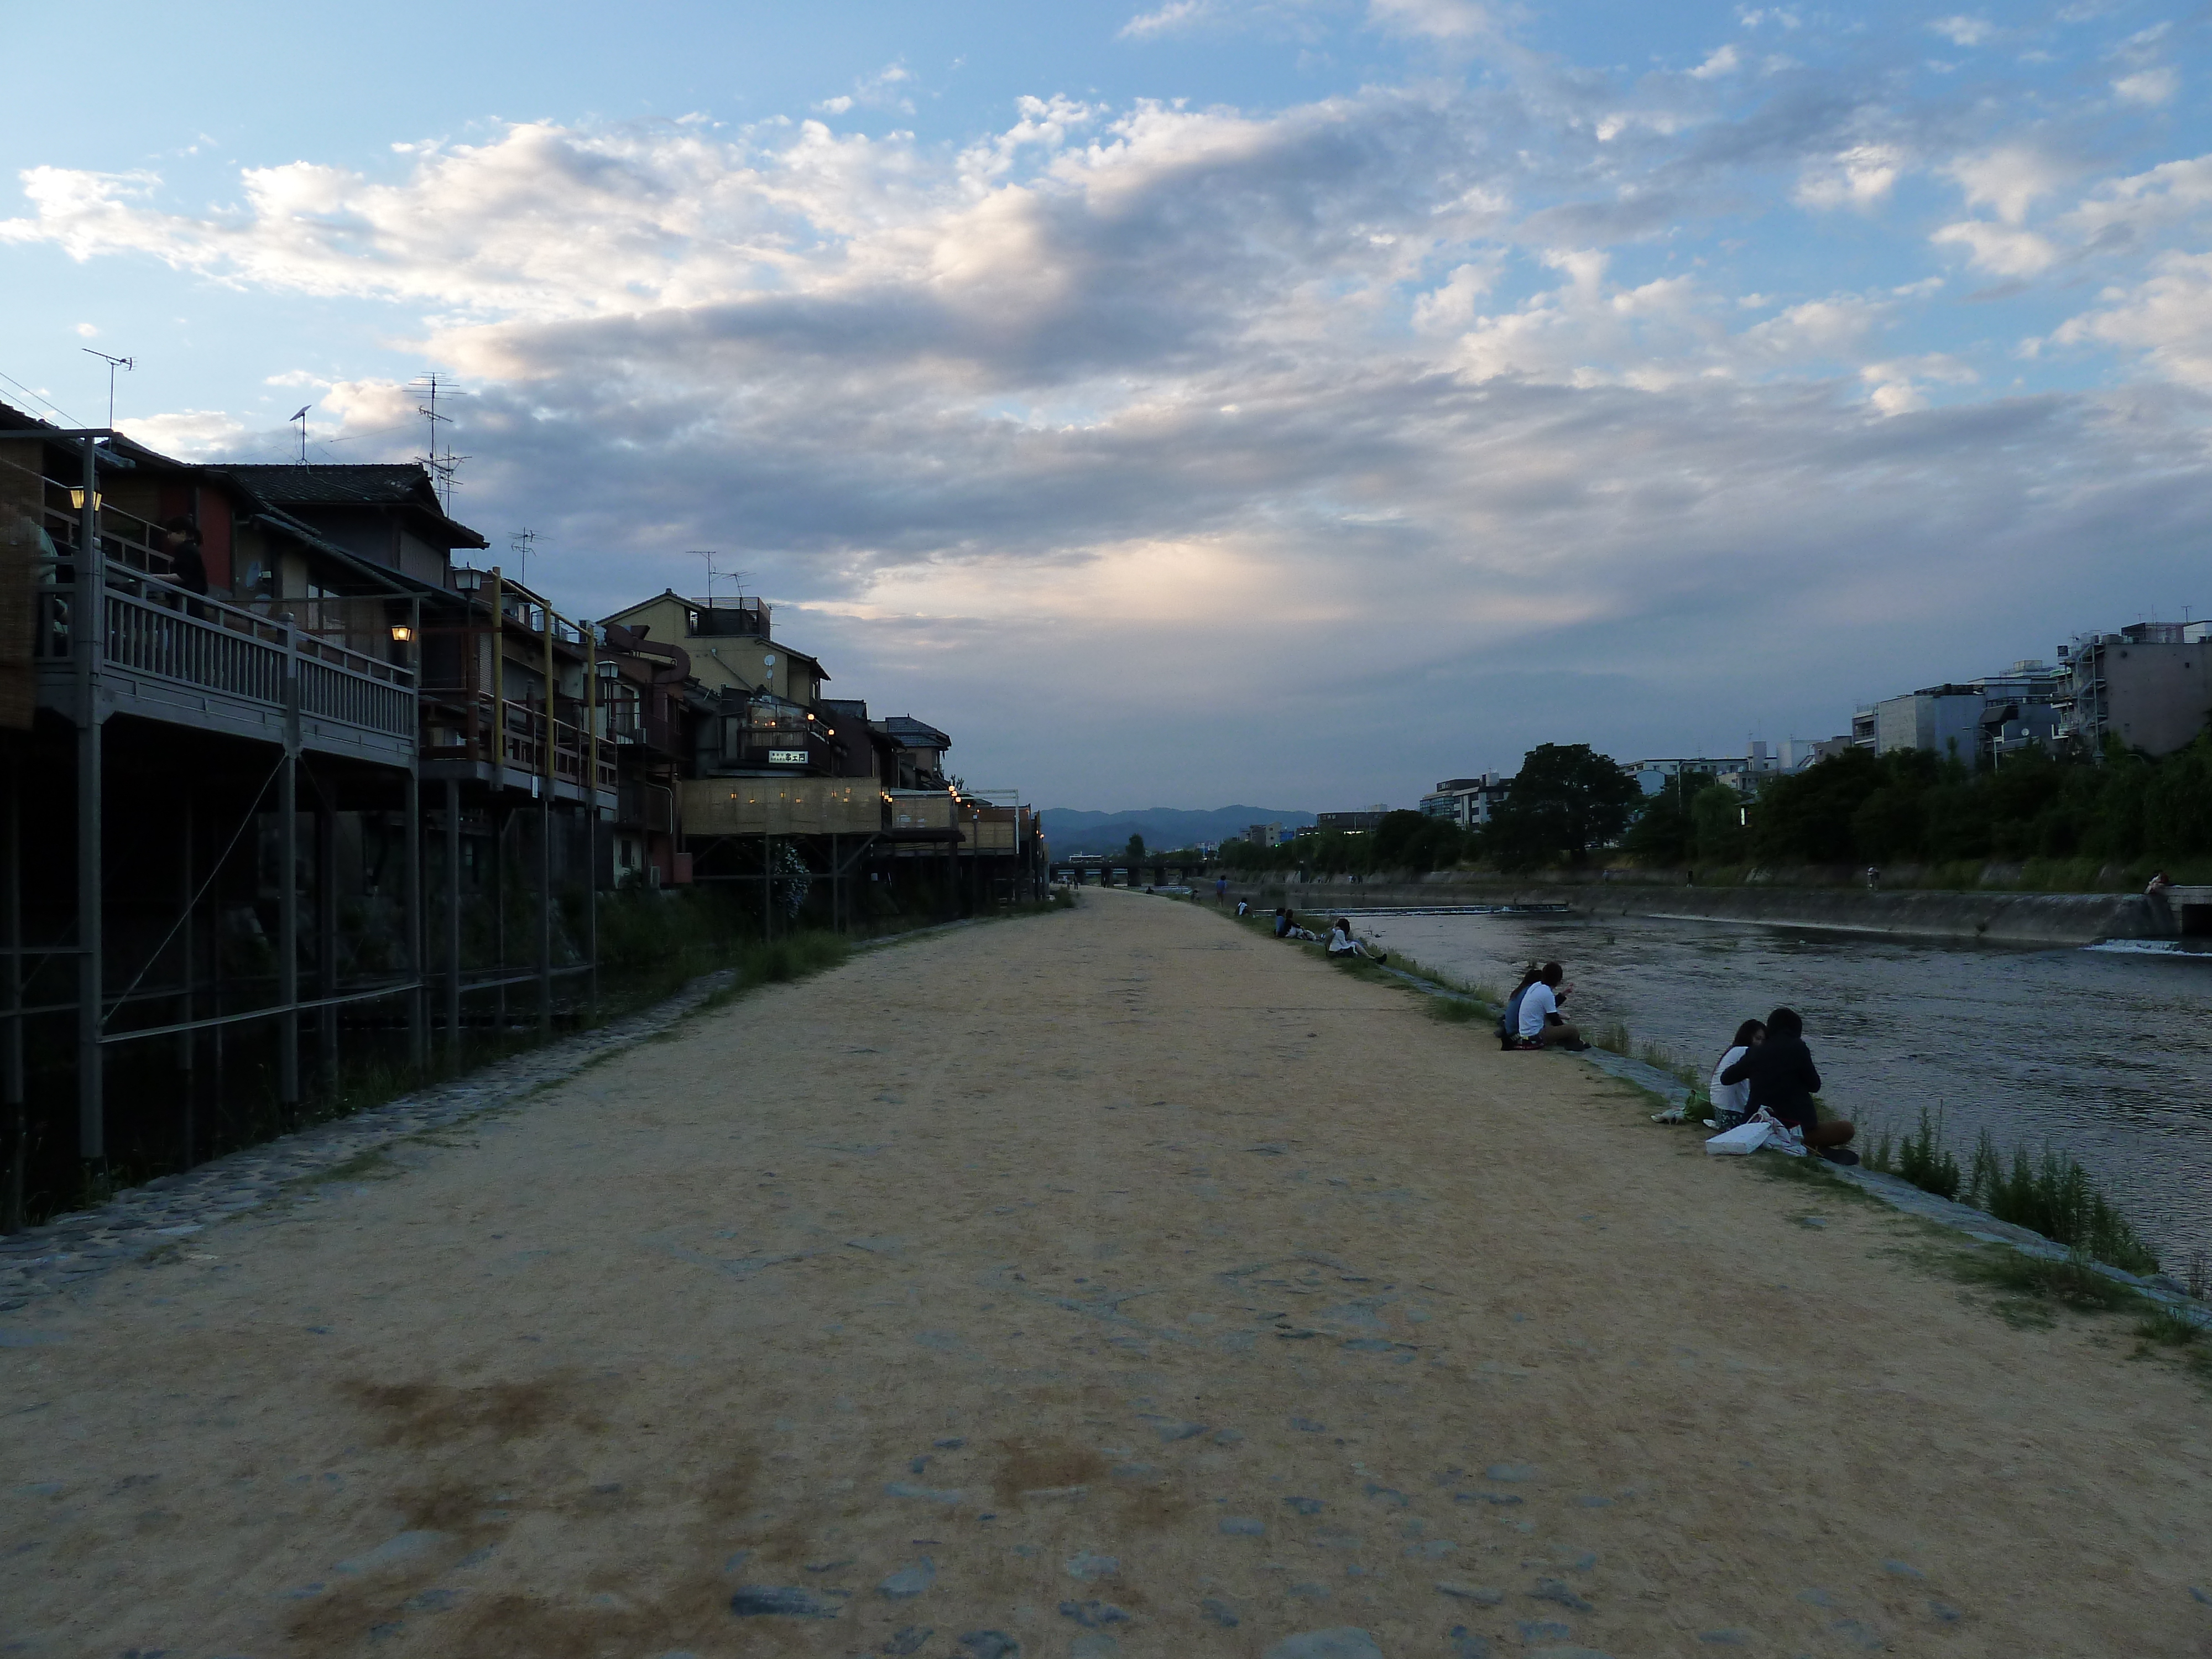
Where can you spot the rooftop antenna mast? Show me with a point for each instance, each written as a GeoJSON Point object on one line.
{"type": "Point", "coordinates": [710, 555]}
{"type": "Point", "coordinates": [518, 542]}
{"type": "Point", "coordinates": [442, 468]}
{"type": "Point", "coordinates": [113, 363]}
{"type": "Point", "coordinates": [301, 417]}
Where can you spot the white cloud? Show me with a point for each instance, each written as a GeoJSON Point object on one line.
{"type": "Point", "coordinates": [2010, 179]}
{"type": "Point", "coordinates": [1999, 249]}
{"type": "Point", "coordinates": [1963, 31]}
{"type": "Point", "coordinates": [1895, 387]}
{"type": "Point", "coordinates": [1176, 14]}
{"type": "Point", "coordinates": [188, 434]}
{"type": "Point", "coordinates": [1859, 177]}
{"type": "Point", "coordinates": [2170, 196]}
{"type": "Point", "coordinates": [2150, 86]}
{"type": "Point", "coordinates": [2167, 317]}
{"type": "Point", "coordinates": [1452, 305]}
{"type": "Point", "coordinates": [87, 332]}
{"type": "Point", "coordinates": [1723, 61]}
{"type": "Point", "coordinates": [1440, 20]}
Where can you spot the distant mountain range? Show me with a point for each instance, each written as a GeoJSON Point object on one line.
{"type": "Point", "coordinates": [1163, 828]}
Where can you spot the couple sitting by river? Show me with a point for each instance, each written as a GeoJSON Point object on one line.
{"type": "Point", "coordinates": [1532, 1018]}
{"type": "Point", "coordinates": [1342, 941]}
{"type": "Point", "coordinates": [1768, 1066]}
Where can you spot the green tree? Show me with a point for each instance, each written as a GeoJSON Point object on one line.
{"type": "Point", "coordinates": [1806, 816]}
{"type": "Point", "coordinates": [1566, 800]}
{"type": "Point", "coordinates": [2177, 805]}
{"type": "Point", "coordinates": [1135, 853]}
{"type": "Point", "coordinates": [1717, 814]}
{"type": "Point", "coordinates": [1664, 831]}
{"type": "Point", "coordinates": [1413, 841]}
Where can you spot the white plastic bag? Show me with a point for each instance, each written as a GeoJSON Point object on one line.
{"type": "Point", "coordinates": [1744, 1138]}
{"type": "Point", "coordinates": [1761, 1129]}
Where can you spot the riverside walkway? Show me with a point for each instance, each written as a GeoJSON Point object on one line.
{"type": "Point", "coordinates": [1112, 1282]}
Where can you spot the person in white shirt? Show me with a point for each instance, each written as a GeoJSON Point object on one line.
{"type": "Point", "coordinates": [1542, 1025]}
{"type": "Point", "coordinates": [1342, 944]}
{"type": "Point", "coordinates": [1732, 1101]}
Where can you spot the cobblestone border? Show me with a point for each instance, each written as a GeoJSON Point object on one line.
{"type": "Point", "coordinates": [75, 1248]}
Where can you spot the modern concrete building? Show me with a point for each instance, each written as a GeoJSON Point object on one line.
{"type": "Point", "coordinates": [1653, 776]}
{"type": "Point", "coordinates": [1946, 719]}
{"type": "Point", "coordinates": [1470, 803]}
{"type": "Point", "coordinates": [2150, 686]}
{"type": "Point", "coordinates": [1364, 822]}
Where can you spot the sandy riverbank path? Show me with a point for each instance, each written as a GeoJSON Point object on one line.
{"type": "Point", "coordinates": [1120, 1282]}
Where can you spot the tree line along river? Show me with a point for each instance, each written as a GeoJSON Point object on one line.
{"type": "Point", "coordinates": [2104, 1054]}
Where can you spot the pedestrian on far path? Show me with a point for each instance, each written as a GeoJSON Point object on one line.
{"type": "Point", "coordinates": [1220, 888]}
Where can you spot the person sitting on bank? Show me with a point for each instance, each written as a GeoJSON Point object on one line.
{"type": "Point", "coordinates": [1541, 1024]}
{"type": "Point", "coordinates": [1509, 1022]}
{"type": "Point", "coordinates": [1282, 921]}
{"type": "Point", "coordinates": [1341, 942]}
{"type": "Point", "coordinates": [1784, 1080]}
{"type": "Point", "coordinates": [1732, 1101]}
{"type": "Point", "coordinates": [1243, 906]}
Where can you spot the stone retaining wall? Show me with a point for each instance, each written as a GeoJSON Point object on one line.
{"type": "Point", "coordinates": [1995, 917]}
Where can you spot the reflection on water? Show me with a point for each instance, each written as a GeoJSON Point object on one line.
{"type": "Point", "coordinates": [2105, 1054]}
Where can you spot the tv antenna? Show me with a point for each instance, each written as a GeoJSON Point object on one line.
{"type": "Point", "coordinates": [301, 417]}
{"type": "Point", "coordinates": [518, 542]}
{"type": "Point", "coordinates": [442, 468]}
{"type": "Point", "coordinates": [113, 363]}
{"type": "Point", "coordinates": [710, 555]}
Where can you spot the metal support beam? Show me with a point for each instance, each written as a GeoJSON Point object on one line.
{"type": "Point", "coordinates": [287, 902]}
{"type": "Point", "coordinates": [592, 815]}
{"type": "Point", "coordinates": [187, 945]}
{"type": "Point", "coordinates": [418, 1008]}
{"type": "Point", "coordinates": [546, 787]}
{"type": "Point", "coordinates": [11, 1043]}
{"type": "Point", "coordinates": [452, 953]}
{"type": "Point", "coordinates": [326, 946]}
{"type": "Point", "coordinates": [87, 605]}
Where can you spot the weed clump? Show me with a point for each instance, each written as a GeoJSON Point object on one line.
{"type": "Point", "coordinates": [1918, 1156]}
{"type": "Point", "coordinates": [2053, 1196]}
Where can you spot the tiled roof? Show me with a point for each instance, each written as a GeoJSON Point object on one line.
{"type": "Point", "coordinates": [374, 484]}
{"type": "Point", "coordinates": [910, 730]}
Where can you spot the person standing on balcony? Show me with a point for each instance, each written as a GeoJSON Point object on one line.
{"type": "Point", "coordinates": [181, 540]}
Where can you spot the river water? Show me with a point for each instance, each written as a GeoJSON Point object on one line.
{"type": "Point", "coordinates": [2104, 1054]}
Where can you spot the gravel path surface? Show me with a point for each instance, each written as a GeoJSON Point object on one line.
{"type": "Point", "coordinates": [1118, 1283]}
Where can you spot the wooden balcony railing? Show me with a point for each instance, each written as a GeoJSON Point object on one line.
{"type": "Point", "coordinates": [459, 728]}
{"type": "Point", "coordinates": [151, 628]}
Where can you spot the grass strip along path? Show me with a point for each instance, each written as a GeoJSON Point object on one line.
{"type": "Point", "coordinates": [1107, 1283]}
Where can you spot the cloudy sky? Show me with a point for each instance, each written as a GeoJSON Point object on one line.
{"type": "Point", "coordinates": [1284, 401]}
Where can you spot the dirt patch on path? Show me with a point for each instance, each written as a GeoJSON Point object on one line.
{"type": "Point", "coordinates": [1111, 1283]}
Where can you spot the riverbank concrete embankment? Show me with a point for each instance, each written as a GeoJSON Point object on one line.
{"type": "Point", "coordinates": [1995, 916]}
{"type": "Point", "coordinates": [1120, 1282]}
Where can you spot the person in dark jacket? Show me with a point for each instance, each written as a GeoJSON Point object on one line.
{"type": "Point", "coordinates": [1783, 1080]}
{"type": "Point", "coordinates": [181, 540]}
